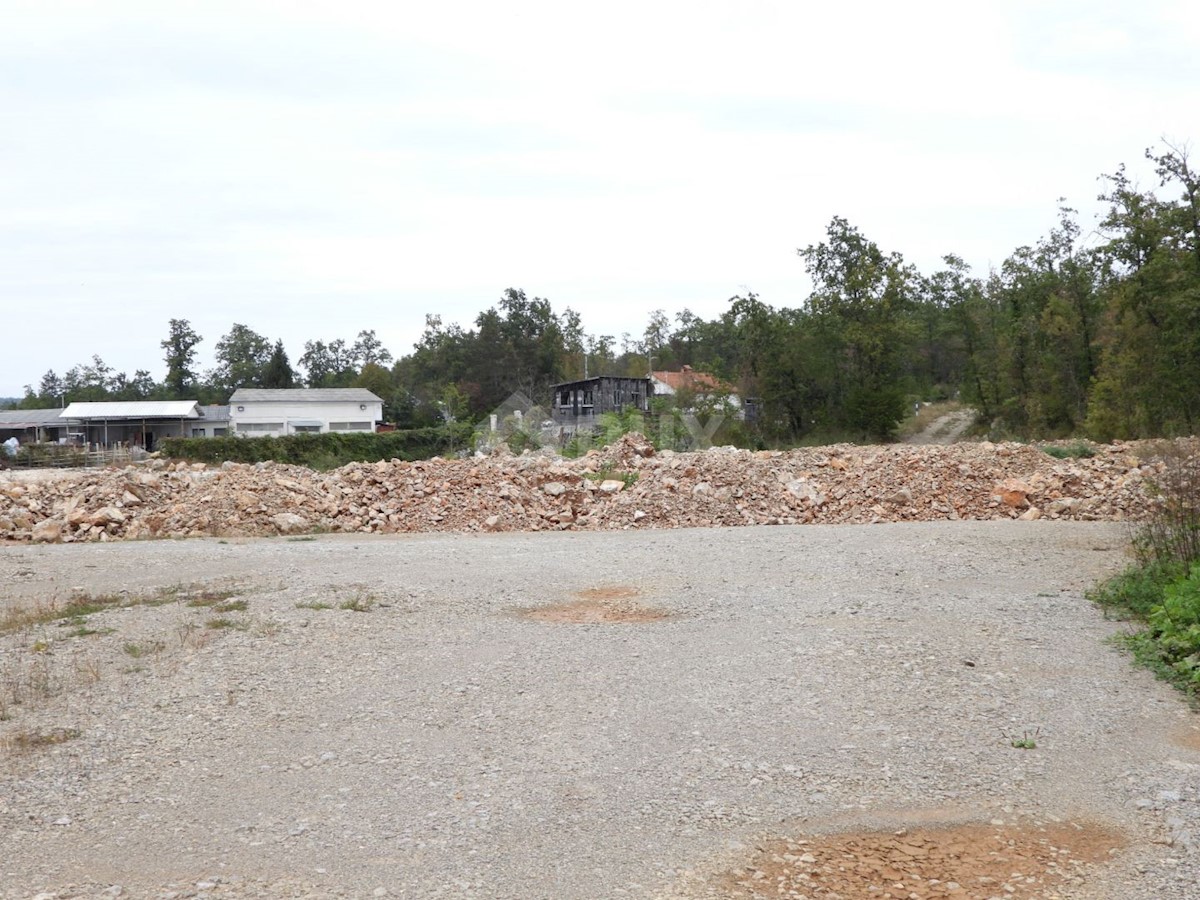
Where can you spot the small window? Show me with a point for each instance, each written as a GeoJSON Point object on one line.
{"type": "Point", "coordinates": [349, 426]}
{"type": "Point", "coordinates": [197, 432]}
{"type": "Point", "coordinates": [588, 399]}
{"type": "Point", "coordinates": [306, 429]}
{"type": "Point", "coordinates": [220, 432]}
{"type": "Point", "coordinates": [259, 427]}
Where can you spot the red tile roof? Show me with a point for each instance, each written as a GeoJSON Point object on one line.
{"type": "Point", "coordinates": [689, 379]}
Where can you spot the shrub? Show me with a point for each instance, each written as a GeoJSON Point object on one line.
{"type": "Point", "coordinates": [1137, 590]}
{"type": "Point", "coordinates": [325, 450]}
{"type": "Point", "coordinates": [1163, 589]}
{"type": "Point", "coordinates": [1175, 628]}
{"type": "Point", "coordinates": [1071, 451]}
{"type": "Point", "coordinates": [1173, 533]}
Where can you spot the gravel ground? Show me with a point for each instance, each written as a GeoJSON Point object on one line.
{"type": "Point", "coordinates": [448, 734]}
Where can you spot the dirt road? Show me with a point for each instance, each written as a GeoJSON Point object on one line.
{"type": "Point", "coordinates": [583, 715]}
{"type": "Point", "coordinates": [945, 429]}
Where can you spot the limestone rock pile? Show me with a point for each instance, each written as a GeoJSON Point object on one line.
{"type": "Point", "coordinates": [625, 485]}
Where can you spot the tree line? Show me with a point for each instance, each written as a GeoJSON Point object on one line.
{"type": "Point", "coordinates": [1095, 334]}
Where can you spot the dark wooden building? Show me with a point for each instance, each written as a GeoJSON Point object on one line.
{"type": "Point", "coordinates": [582, 402]}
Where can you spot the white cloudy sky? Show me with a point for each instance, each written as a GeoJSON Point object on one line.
{"type": "Point", "coordinates": [313, 169]}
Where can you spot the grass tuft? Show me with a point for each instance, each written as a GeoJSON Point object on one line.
{"type": "Point", "coordinates": [359, 603]}
{"type": "Point", "coordinates": [1070, 451]}
{"type": "Point", "coordinates": [35, 740]}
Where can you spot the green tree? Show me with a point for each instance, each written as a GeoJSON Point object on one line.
{"type": "Point", "coordinates": [1148, 378]}
{"type": "Point", "coordinates": [180, 357]}
{"type": "Point", "coordinates": [860, 304]}
{"type": "Point", "coordinates": [369, 350]}
{"type": "Point", "coordinates": [329, 365]}
{"type": "Point", "coordinates": [278, 373]}
{"type": "Point", "coordinates": [242, 358]}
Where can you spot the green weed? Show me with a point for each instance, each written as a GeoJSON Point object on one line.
{"type": "Point", "coordinates": [1070, 451]}
{"type": "Point", "coordinates": [358, 603]}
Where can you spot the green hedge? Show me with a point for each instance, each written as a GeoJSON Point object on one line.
{"type": "Point", "coordinates": [322, 451]}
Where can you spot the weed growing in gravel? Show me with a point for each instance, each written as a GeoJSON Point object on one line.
{"type": "Point", "coordinates": [232, 606]}
{"type": "Point", "coordinates": [208, 598]}
{"type": "Point", "coordinates": [26, 741]}
{"type": "Point", "coordinates": [88, 670]}
{"type": "Point", "coordinates": [1163, 588]}
{"type": "Point", "coordinates": [80, 627]}
{"type": "Point", "coordinates": [1071, 451]}
{"type": "Point", "coordinates": [359, 603]}
{"type": "Point", "coordinates": [191, 635]}
{"type": "Point", "coordinates": [223, 622]}
{"type": "Point", "coordinates": [1027, 740]}
{"type": "Point", "coordinates": [313, 604]}
{"type": "Point", "coordinates": [137, 651]}
{"type": "Point", "coordinates": [80, 605]}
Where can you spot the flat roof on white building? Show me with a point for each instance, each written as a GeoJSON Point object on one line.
{"type": "Point", "coordinates": [133, 409]}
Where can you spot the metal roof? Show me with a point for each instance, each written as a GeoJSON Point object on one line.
{"type": "Point", "coordinates": [29, 418]}
{"type": "Point", "coordinates": [215, 412]}
{"type": "Point", "coordinates": [133, 409]}
{"type": "Point", "coordinates": [596, 378]}
{"type": "Point", "coordinates": [303, 395]}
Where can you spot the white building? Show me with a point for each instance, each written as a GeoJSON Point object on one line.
{"type": "Point", "coordinates": [132, 423]}
{"type": "Point", "coordinates": [262, 412]}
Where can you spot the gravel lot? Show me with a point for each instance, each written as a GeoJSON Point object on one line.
{"type": "Point", "coordinates": [448, 735]}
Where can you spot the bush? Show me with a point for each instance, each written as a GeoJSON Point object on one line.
{"type": "Point", "coordinates": [1175, 628]}
{"type": "Point", "coordinates": [323, 451]}
{"type": "Point", "coordinates": [1163, 589]}
{"type": "Point", "coordinates": [1137, 591]}
{"type": "Point", "coordinates": [1071, 451]}
{"type": "Point", "coordinates": [1173, 534]}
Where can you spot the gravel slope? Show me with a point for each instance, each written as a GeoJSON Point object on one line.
{"type": "Point", "coordinates": [444, 744]}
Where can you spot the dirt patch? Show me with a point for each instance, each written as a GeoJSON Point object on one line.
{"type": "Point", "coordinates": [1187, 738]}
{"type": "Point", "coordinates": [957, 863]}
{"type": "Point", "coordinates": [608, 605]}
{"type": "Point", "coordinates": [608, 593]}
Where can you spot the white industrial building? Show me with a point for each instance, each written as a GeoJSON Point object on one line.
{"type": "Point", "coordinates": [262, 412]}
{"type": "Point", "coordinates": [132, 423]}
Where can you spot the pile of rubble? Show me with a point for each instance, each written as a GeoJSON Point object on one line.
{"type": "Point", "coordinates": [625, 485]}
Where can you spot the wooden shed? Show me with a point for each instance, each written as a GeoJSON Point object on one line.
{"type": "Point", "coordinates": [580, 403]}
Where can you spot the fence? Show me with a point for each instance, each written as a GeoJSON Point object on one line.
{"type": "Point", "coordinates": [39, 456]}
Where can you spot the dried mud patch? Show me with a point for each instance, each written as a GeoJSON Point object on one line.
{"type": "Point", "coordinates": [607, 605]}
{"type": "Point", "coordinates": [1187, 738]}
{"type": "Point", "coordinates": [961, 862]}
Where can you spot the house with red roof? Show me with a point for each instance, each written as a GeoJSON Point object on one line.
{"type": "Point", "coordinates": [700, 385]}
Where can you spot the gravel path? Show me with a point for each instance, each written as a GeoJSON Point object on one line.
{"type": "Point", "coordinates": [945, 429]}
{"type": "Point", "coordinates": [446, 734]}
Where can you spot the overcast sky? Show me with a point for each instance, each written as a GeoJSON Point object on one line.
{"type": "Point", "coordinates": [311, 170]}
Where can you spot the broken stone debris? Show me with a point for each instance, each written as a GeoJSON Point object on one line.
{"type": "Point", "coordinates": [625, 485]}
